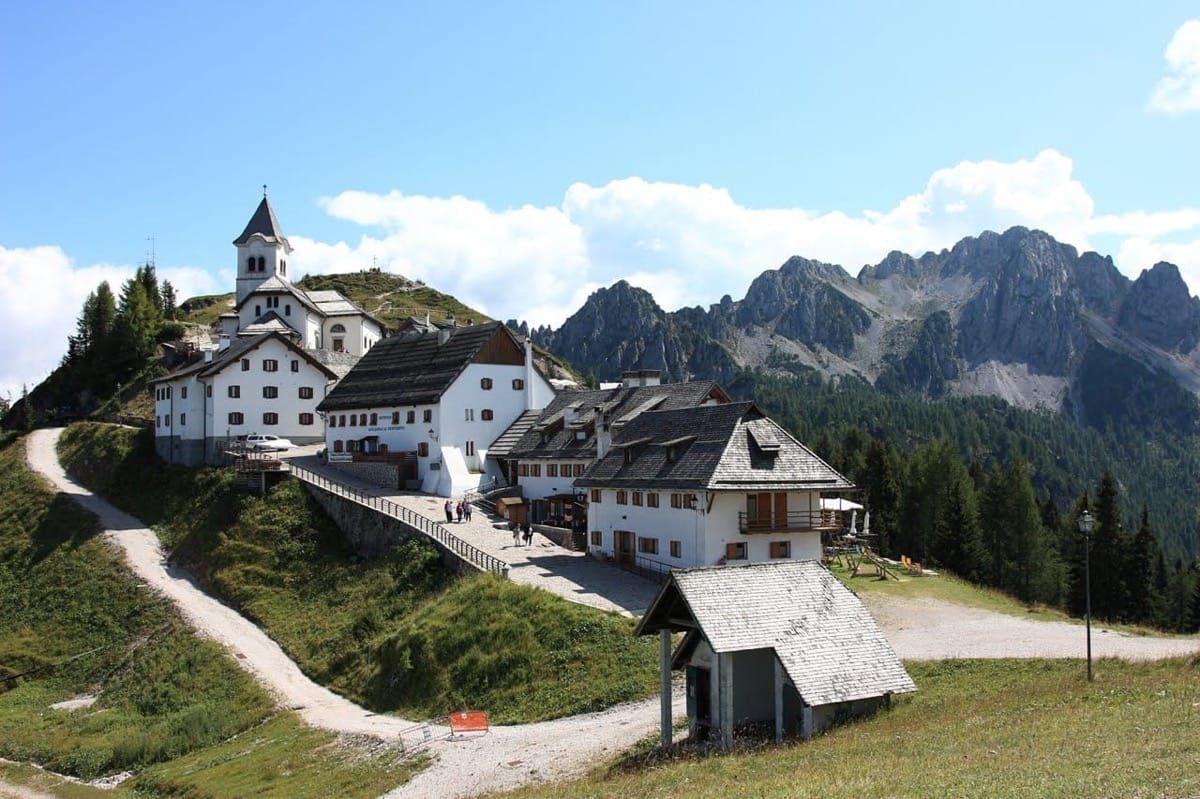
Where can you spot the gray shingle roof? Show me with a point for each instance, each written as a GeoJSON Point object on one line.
{"type": "Point", "coordinates": [503, 445]}
{"type": "Point", "coordinates": [554, 436]}
{"type": "Point", "coordinates": [409, 369]}
{"type": "Point", "coordinates": [823, 635]}
{"type": "Point", "coordinates": [265, 224]}
{"type": "Point", "coordinates": [714, 447]}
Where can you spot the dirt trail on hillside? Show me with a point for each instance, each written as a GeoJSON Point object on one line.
{"type": "Point", "coordinates": [932, 629]}
{"type": "Point", "coordinates": [250, 646]}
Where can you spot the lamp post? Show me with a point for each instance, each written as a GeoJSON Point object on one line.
{"type": "Point", "coordinates": [1086, 522]}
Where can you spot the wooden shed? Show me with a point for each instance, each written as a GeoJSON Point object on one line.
{"type": "Point", "coordinates": [514, 509]}
{"type": "Point", "coordinates": [780, 642]}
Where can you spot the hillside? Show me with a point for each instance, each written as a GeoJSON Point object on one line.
{"type": "Point", "coordinates": [386, 296]}
{"type": "Point", "coordinates": [1004, 728]}
{"type": "Point", "coordinates": [154, 698]}
{"type": "Point", "coordinates": [398, 633]}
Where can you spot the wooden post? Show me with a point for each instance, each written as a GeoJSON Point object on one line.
{"type": "Point", "coordinates": [778, 701]}
{"type": "Point", "coordinates": [726, 692]}
{"type": "Point", "coordinates": [664, 687]}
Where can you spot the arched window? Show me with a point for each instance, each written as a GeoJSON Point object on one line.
{"type": "Point", "coordinates": [250, 264]}
{"type": "Point", "coordinates": [262, 264]}
{"type": "Point", "coordinates": [283, 267]}
{"type": "Point", "coordinates": [338, 328]}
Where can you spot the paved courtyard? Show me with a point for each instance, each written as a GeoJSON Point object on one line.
{"type": "Point", "coordinates": [575, 576]}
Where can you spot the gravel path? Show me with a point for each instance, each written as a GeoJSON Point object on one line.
{"type": "Point", "coordinates": [510, 757]}
{"type": "Point", "coordinates": [252, 648]}
{"type": "Point", "coordinates": [932, 629]}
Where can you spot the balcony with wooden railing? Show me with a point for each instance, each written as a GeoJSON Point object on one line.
{"type": "Point", "coordinates": [792, 521]}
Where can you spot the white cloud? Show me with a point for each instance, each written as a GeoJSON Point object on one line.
{"type": "Point", "coordinates": [1179, 90]}
{"type": "Point", "coordinates": [686, 244]}
{"type": "Point", "coordinates": [41, 292]}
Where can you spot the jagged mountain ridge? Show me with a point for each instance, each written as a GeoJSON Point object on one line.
{"type": "Point", "coordinates": [1017, 315]}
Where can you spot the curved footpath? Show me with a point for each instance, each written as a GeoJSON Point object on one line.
{"type": "Point", "coordinates": [252, 647]}
{"type": "Point", "coordinates": [508, 757]}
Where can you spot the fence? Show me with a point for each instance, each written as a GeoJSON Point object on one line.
{"type": "Point", "coordinates": [468, 553]}
{"type": "Point", "coordinates": [650, 569]}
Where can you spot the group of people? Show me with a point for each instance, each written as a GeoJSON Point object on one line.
{"type": "Point", "coordinates": [522, 532]}
{"type": "Point", "coordinates": [462, 511]}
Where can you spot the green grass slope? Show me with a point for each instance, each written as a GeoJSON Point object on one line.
{"type": "Point", "coordinates": [976, 728]}
{"type": "Point", "coordinates": [169, 705]}
{"type": "Point", "coordinates": [395, 633]}
{"type": "Point", "coordinates": [386, 296]}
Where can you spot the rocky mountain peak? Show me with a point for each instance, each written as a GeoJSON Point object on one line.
{"type": "Point", "coordinates": [1160, 309]}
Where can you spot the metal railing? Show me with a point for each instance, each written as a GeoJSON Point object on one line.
{"type": "Point", "coordinates": [648, 568]}
{"type": "Point", "coordinates": [468, 553]}
{"type": "Point", "coordinates": [791, 521]}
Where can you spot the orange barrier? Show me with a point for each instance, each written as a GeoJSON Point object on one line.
{"type": "Point", "coordinates": [468, 721]}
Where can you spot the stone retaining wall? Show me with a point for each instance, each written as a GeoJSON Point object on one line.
{"type": "Point", "coordinates": [384, 475]}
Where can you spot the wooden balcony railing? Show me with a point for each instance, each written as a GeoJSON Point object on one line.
{"type": "Point", "coordinates": [794, 521]}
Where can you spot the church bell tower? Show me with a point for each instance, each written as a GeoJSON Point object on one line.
{"type": "Point", "coordinates": [262, 250]}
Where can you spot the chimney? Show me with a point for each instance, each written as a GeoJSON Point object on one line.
{"type": "Point", "coordinates": [450, 320]}
{"type": "Point", "coordinates": [603, 434]}
{"type": "Point", "coordinates": [223, 342]}
{"type": "Point", "coordinates": [529, 373]}
{"type": "Point", "coordinates": [208, 356]}
{"type": "Point", "coordinates": [428, 326]}
{"type": "Point", "coordinates": [640, 378]}
{"type": "Point", "coordinates": [444, 335]}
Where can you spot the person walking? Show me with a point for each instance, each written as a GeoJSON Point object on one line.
{"type": "Point", "coordinates": [449, 512]}
{"type": "Point", "coordinates": [516, 535]}
{"type": "Point", "coordinates": [528, 534]}
{"type": "Point", "coordinates": [459, 510]}
{"type": "Point", "coordinates": [467, 508]}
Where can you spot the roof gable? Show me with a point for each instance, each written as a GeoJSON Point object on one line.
{"type": "Point", "coordinates": [823, 635]}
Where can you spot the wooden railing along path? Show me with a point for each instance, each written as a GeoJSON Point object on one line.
{"type": "Point", "coordinates": [467, 553]}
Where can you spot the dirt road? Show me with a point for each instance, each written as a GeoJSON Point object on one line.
{"type": "Point", "coordinates": [252, 647]}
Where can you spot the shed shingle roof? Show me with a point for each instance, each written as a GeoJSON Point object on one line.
{"type": "Point", "coordinates": [826, 640]}
{"type": "Point", "coordinates": [409, 369]}
{"type": "Point", "coordinates": [553, 436]}
{"type": "Point", "coordinates": [711, 447]}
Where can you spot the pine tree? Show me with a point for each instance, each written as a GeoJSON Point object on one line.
{"type": "Point", "coordinates": [1036, 576]}
{"type": "Point", "coordinates": [134, 330]}
{"type": "Point", "coordinates": [993, 524]}
{"type": "Point", "coordinates": [1144, 600]}
{"type": "Point", "coordinates": [1193, 624]}
{"type": "Point", "coordinates": [957, 543]}
{"type": "Point", "coordinates": [881, 493]}
{"type": "Point", "coordinates": [1109, 553]}
{"type": "Point", "coordinates": [168, 300]}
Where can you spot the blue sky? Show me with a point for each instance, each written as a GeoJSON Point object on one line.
{"type": "Point", "coordinates": [687, 146]}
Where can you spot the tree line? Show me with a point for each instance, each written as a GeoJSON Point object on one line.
{"type": "Point", "coordinates": [987, 519]}
{"type": "Point", "coordinates": [115, 336]}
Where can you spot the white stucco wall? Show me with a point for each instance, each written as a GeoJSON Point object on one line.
{"type": "Point", "coordinates": [288, 405]}
{"type": "Point", "coordinates": [543, 486]}
{"type": "Point", "coordinates": [702, 533]}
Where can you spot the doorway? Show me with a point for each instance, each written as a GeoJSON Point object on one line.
{"type": "Point", "coordinates": [623, 547]}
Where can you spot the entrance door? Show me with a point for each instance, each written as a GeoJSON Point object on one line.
{"type": "Point", "coordinates": [623, 544]}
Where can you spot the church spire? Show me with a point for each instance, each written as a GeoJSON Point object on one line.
{"type": "Point", "coordinates": [264, 224]}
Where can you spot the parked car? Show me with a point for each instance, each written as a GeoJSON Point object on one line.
{"type": "Point", "coordinates": [267, 441]}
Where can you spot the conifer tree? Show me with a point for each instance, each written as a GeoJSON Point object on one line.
{"type": "Point", "coordinates": [957, 544]}
{"type": "Point", "coordinates": [1193, 623]}
{"type": "Point", "coordinates": [1143, 596]}
{"type": "Point", "coordinates": [168, 301]}
{"type": "Point", "coordinates": [1109, 553]}
{"type": "Point", "coordinates": [881, 490]}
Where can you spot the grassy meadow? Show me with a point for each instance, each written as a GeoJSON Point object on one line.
{"type": "Point", "coordinates": [396, 634]}
{"type": "Point", "coordinates": [75, 622]}
{"type": "Point", "coordinates": [994, 728]}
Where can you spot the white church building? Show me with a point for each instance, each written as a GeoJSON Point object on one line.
{"type": "Point", "coordinates": [268, 302]}
{"type": "Point", "coordinates": [281, 349]}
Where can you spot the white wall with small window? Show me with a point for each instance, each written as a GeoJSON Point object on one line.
{"type": "Point", "coordinates": [700, 528]}
{"type": "Point", "coordinates": [540, 477]}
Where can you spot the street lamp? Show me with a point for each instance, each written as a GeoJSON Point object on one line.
{"type": "Point", "coordinates": [1086, 522]}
